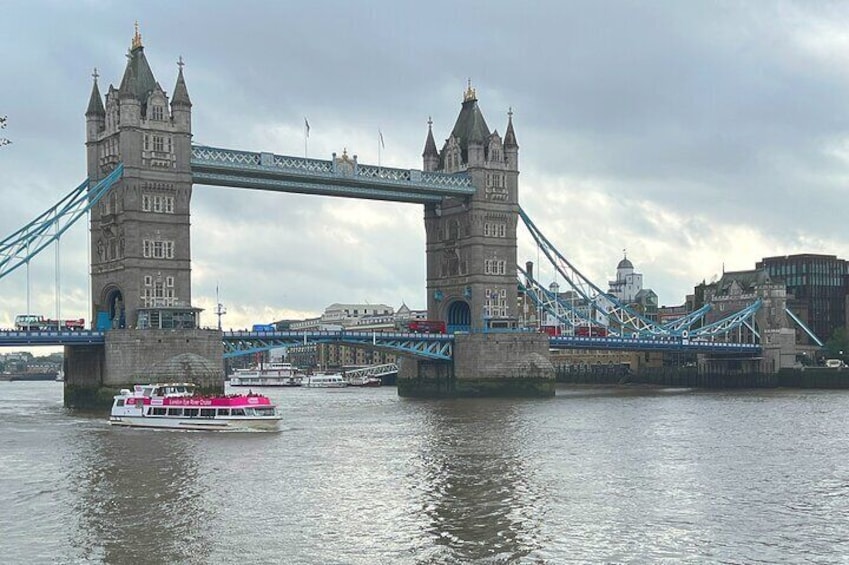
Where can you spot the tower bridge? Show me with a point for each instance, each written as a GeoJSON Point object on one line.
{"type": "Point", "coordinates": [142, 167]}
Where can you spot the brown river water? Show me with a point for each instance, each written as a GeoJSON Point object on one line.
{"type": "Point", "coordinates": [360, 476]}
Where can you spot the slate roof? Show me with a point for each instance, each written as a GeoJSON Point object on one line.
{"type": "Point", "coordinates": [95, 103]}
{"type": "Point", "coordinates": [138, 79]}
{"type": "Point", "coordinates": [470, 127]}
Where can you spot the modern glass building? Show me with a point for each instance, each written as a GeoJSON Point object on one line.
{"type": "Point", "coordinates": [818, 286]}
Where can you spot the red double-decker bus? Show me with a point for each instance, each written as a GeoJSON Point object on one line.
{"type": "Point", "coordinates": [591, 331]}
{"type": "Point", "coordinates": [427, 326]}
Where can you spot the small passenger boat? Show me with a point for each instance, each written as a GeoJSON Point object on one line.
{"type": "Point", "coordinates": [323, 381]}
{"type": "Point", "coordinates": [175, 406]}
{"type": "Point", "coordinates": [363, 380]}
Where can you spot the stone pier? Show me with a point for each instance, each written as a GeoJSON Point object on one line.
{"type": "Point", "coordinates": [485, 364]}
{"type": "Point", "coordinates": [94, 374]}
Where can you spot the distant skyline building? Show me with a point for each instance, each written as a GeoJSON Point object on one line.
{"type": "Point", "coordinates": [628, 289]}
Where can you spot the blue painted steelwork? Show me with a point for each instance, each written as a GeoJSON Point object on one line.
{"type": "Point", "coordinates": [618, 317]}
{"type": "Point", "coordinates": [551, 303]}
{"type": "Point", "coordinates": [731, 323]}
{"type": "Point", "coordinates": [266, 171]}
{"type": "Point", "coordinates": [652, 344]}
{"type": "Point", "coordinates": [687, 322]}
{"type": "Point", "coordinates": [19, 247]}
{"type": "Point", "coordinates": [90, 337]}
{"type": "Point", "coordinates": [428, 346]}
{"type": "Point", "coordinates": [804, 327]}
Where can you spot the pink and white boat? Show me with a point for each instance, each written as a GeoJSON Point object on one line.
{"type": "Point", "coordinates": [175, 406]}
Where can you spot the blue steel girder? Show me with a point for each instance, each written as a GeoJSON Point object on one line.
{"type": "Point", "coordinates": [621, 319]}
{"type": "Point", "coordinates": [19, 247]}
{"type": "Point", "coordinates": [672, 344]}
{"type": "Point", "coordinates": [551, 303]}
{"type": "Point", "coordinates": [281, 173]}
{"type": "Point", "coordinates": [730, 323]}
{"type": "Point", "coordinates": [429, 346]}
{"type": "Point", "coordinates": [52, 337]}
{"type": "Point", "coordinates": [686, 322]}
{"type": "Point", "coordinates": [617, 314]}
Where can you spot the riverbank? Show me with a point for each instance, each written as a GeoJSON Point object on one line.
{"type": "Point", "coordinates": [814, 377]}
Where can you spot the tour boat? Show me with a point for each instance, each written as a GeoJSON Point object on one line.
{"type": "Point", "coordinates": [271, 374]}
{"type": "Point", "coordinates": [323, 381]}
{"type": "Point", "coordinates": [175, 406]}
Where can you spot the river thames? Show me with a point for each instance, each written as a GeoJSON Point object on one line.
{"type": "Point", "coordinates": [361, 476]}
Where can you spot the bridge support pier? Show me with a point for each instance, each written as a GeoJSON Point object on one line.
{"type": "Point", "coordinates": [94, 374]}
{"type": "Point", "coordinates": [485, 364]}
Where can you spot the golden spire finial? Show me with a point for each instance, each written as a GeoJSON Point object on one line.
{"type": "Point", "coordinates": [137, 37]}
{"type": "Point", "coordinates": [470, 93]}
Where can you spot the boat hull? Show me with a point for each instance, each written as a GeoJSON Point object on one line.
{"type": "Point", "coordinates": [198, 424]}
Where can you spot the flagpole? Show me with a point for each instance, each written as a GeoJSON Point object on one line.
{"type": "Point", "coordinates": [379, 145]}
{"type": "Point", "coordinates": [306, 136]}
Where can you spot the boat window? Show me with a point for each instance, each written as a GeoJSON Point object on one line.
{"type": "Point", "coordinates": [264, 411]}
{"type": "Point", "coordinates": [223, 411]}
{"type": "Point", "coordinates": [192, 412]}
{"type": "Point", "coordinates": [238, 412]}
{"type": "Point", "coordinates": [175, 411]}
{"type": "Point", "coordinates": [119, 402]}
{"type": "Point", "coordinates": [207, 412]}
{"type": "Point", "coordinates": [147, 391]}
{"type": "Point", "coordinates": [159, 411]}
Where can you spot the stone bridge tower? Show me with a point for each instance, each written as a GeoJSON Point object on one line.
{"type": "Point", "coordinates": [471, 242]}
{"type": "Point", "coordinates": [140, 245]}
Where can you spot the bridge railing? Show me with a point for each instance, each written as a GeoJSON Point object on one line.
{"type": "Point", "coordinates": [205, 156]}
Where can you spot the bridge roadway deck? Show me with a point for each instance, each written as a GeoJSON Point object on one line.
{"type": "Point", "coordinates": [339, 177]}
{"type": "Point", "coordinates": [431, 346]}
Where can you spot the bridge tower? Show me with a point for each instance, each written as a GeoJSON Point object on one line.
{"type": "Point", "coordinates": [471, 271]}
{"type": "Point", "coordinates": [140, 242]}
{"type": "Point", "coordinates": [471, 242]}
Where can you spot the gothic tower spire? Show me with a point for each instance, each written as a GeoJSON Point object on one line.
{"type": "Point", "coordinates": [430, 155]}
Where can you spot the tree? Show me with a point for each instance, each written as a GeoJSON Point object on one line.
{"type": "Point", "coordinates": [838, 345]}
{"type": "Point", "coordinates": [3, 140]}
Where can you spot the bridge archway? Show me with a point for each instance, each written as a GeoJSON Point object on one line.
{"type": "Point", "coordinates": [459, 316]}
{"type": "Point", "coordinates": [114, 300]}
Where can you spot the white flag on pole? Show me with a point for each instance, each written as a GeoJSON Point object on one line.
{"type": "Point", "coordinates": [380, 133]}
{"type": "Point", "coordinates": [306, 126]}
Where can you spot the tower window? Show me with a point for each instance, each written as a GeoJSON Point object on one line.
{"type": "Point", "coordinates": [156, 113]}
{"type": "Point", "coordinates": [158, 143]}
{"type": "Point", "coordinates": [158, 249]}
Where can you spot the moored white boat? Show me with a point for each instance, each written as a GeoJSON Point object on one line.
{"type": "Point", "coordinates": [270, 374]}
{"type": "Point", "coordinates": [175, 406]}
{"type": "Point", "coordinates": [364, 380]}
{"type": "Point", "coordinates": [323, 381]}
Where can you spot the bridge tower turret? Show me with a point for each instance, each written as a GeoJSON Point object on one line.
{"type": "Point", "coordinates": [471, 242]}
{"type": "Point", "coordinates": [140, 243]}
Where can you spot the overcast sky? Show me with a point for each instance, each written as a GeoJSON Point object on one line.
{"type": "Point", "coordinates": [695, 135]}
